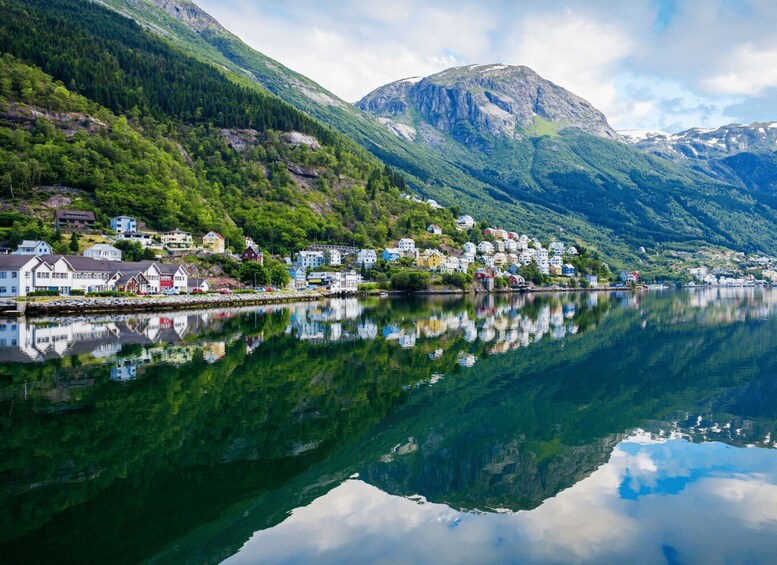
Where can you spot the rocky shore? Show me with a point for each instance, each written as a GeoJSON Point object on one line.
{"type": "Point", "coordinates": [41, 307]}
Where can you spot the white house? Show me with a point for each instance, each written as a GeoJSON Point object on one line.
{"type": "Point", "coordinates": [511, 245]}
{"type": "Point", "coordinates": [333, 257]}
{"type": "Point", "coordinates": [16, 274]}
{"type": "Point", "coordinates": [465, 223]}
{"type": "Point", "coordinates": [486, 247]}
{"type": "Point", "coordinates": [177, 239]}
{"type": "Point", "coordinates": [103, 252]}
{"type": "Point", "coordinates": [28, 247]}
{"type": "Point", "coordinates": [556, 247]}
{"type": "Point", "coordinates": [310, 259]}
{"type": "Point", "coordinates": [366, 258]}
{"type": "Point", "coordinates": [144, 239]}
{"type": "Point", "coordinates": [572, 250]}
{"type": "Point", "coordinates": [346, 281]}
{"type": "Point", "coordinates": [470, 248]}
{"type": "Point", "coordinates": [406, 245]}
{"type": "Point", "coordinates": [556, 261]}
{"type": "Point", "coordinates": [124, 224]}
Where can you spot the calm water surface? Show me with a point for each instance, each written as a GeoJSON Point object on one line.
{"type": "Point", "coordinates": [595, 428]}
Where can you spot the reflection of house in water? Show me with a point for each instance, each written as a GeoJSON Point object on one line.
{"type": "Point", "coordinates": [466, 360]}
{"type": "Point", "coordinates": [367, 330]}
{"type": "Point", "coordinates": [213, 351]}
{"type": "Point", "coordinates": [252, 342]}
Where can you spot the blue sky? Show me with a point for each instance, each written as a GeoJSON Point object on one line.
{"type": "Point", "coordinates": [647, 64]}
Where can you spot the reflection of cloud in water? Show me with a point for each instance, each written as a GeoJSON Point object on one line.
{"type": "Point", "coordinates": [653, 501]}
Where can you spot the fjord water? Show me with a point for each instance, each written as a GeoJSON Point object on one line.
{"type": "Point", "coordinates": [542, 428]}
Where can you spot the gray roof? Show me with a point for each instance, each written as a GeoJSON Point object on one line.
{"type": "Point", "coordinates": [15, 261]}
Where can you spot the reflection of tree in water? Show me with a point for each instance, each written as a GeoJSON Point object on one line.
{"type": "Point", "coordinates": [275, 428]}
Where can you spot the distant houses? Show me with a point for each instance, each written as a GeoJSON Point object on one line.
{"type": "Point", "coordinates": [391, 254]}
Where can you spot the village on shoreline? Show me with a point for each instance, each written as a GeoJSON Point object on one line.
{"type": "Point", "coordinates": [167, 268]}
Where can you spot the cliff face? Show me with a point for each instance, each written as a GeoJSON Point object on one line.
{"type": "Point", "coordinates": [496, 100]}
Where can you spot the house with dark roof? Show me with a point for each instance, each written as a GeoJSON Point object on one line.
{"type": "Point", "coordinates": [73, 219]}
{"type": "Point", "coordinates": [16, 274]}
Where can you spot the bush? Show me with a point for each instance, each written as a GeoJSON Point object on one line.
{"type": "Point", "coordinates": [110, 293]}
{"type": "Point", "coordinates": [43, 293]}
{"type": "Point", "coordinates": [410, 281]}
{"type": "Point", "coordinates": [459, 280]}
{"type": "Point", "coordinates": [77, 292]}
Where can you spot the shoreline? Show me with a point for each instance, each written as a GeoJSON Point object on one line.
{"type": "Point", "coordinates": [76, 306]}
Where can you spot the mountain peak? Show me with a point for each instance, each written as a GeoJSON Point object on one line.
{"type": "Point", "coordinates": [496, 99]}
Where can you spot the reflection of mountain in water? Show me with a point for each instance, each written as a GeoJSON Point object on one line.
{"type": "Point", "coordinates": [275, 421]}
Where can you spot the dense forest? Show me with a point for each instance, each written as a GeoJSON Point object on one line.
{"type": "Point", "coordinates": [90, 101]}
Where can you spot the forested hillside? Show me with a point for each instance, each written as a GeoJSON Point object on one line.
{"type": "Point", "coordinates": [137, 127]}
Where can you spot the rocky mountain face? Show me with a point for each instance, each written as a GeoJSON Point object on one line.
{"type": "Point", "coordinates": [699, 143]}
{"type": "Point", "coordinates": [497, 100]}
{"type": "Point", "coordinates": [745, 155]}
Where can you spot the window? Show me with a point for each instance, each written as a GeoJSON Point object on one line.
{"type": "Point", "coordinates": [3, 289]}
{"type": "Point", "coordinates": [14, 275]}
{"type": "Point", "coordinates": [13, 290]}
{"type": "Point", "coordinates": [3, 274]}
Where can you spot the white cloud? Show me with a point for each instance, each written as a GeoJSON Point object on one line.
{"type": "Point", "coordinates": [712, 55]}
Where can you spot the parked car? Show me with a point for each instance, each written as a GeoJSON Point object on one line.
{"type": "Point", "coordinates": [197, 291]}
{"type": "Point", "coordinates": [225, 291]}
{"type": "Point", "coordinates": [171, 291]}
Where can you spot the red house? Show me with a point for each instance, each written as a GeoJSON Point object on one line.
{"type": "Point", "coordinates": [253, 254]}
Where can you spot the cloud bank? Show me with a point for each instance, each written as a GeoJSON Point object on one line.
{"type": "Point", "coordinates": [647, 64]}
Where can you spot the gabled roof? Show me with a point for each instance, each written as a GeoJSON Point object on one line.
{"type": "Point", "coordinates": [31, 243]}
{"type": "Point", "coordinates": [16, 261]}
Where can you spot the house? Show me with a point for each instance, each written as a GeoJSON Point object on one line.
{"type": "Point", "coordinates": [124, 224]}
{"type": "Point", "coordinates": [556, 247]}
{"type": "Point", "coordinates": [406, 245]}
{"type": "Point", "coordinates": [317, 278]}
{"type": "Point", "coordinates": [103, 252]}
{"type": "Point", "coordinates": [144, 239]}
{"type": "Point", "coordinates": [333, 257]}
{"type": "Point", "coordinates": [37, 247]}
{"type": "Point", "coordinates": [434, 229]}
{"type": "Point", "coordinates": [298, 279]}
{"type": "Point", "coordinates": [571, 250]}
{"type": "Point", "coordinates": [73, 219]}
{"type": "Point", "coordinates": [500, 260]}
{"type": "Point", "coordinates": [470, 248]}
{"type": "Point", "coordinates": [516, 281]}
{"type": "Point", "coordinates": [568, 270]}
{"type": "Point", "coordinates": [465, 223]}
{"type": "Point", "coordinates": [510, 245]}
{"type": "Point", "coordinates": [198, 285]}
{"type": "Point", "coordinates": [214, 242]}
{"type": "Point", "coordinates": [346, 281]}
{"type": "Point", "coordinates": [173, 276]}
{"type": "Point", "coordinates": [64, 273]}
{"type": "Point", "coordinates": [16, 274]}
{"type": "Point", "coordinates": [177, 239]}
{"type": "Point", "coordinates": [252, 253]}
{"type": "Point", "coordinates": [132, 283]}
{"type": "Point", "coordinates": [486, 248]}
{"type": "Point", "coordinates": [430, 259]}
{"type": "Point", "coordinates": [391, 254]}
{"type": "Point", "coordinates": [629, 277]}
{"type": "Point", "coordinates": [557, 262]}
{"type": "Point", "coordinates": [310, 259]}
{"type": "Point", "coordinates": [592, 279]}
{"type": "Point", "coordinates": [366, 258]}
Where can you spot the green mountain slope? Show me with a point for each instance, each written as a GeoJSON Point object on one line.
{"type": "Point", "coordinates": [600, 192]}
{"type": "Point", "coordinates": [138, 127]}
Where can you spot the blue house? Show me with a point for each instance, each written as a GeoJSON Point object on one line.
{"type": "Point", "coordinates": [298, 277]}
{"type": "Point", "coordinates": [391, 254]}
{"type": "Point", "coordinates": [567, 271]}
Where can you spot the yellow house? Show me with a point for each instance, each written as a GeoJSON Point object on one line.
{"type": "Point", "coordinates": [432, 260]}
{"type": "Point", "coordinates": [213, 242]}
